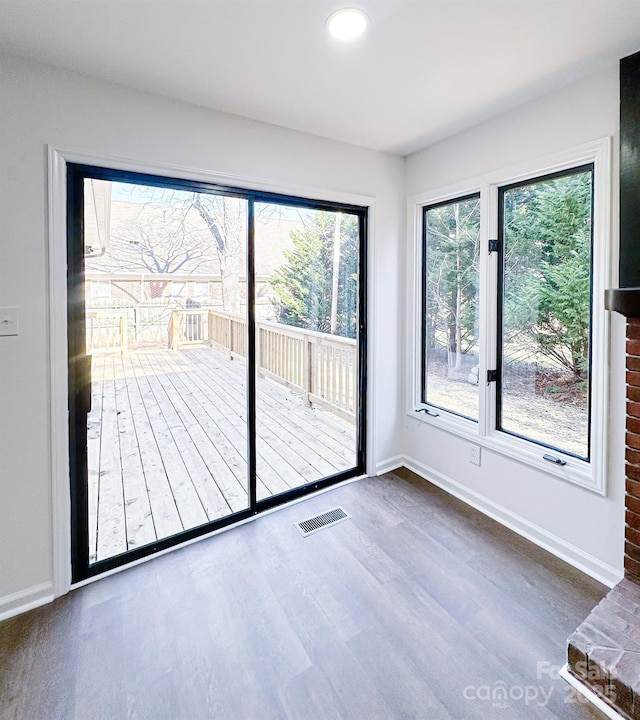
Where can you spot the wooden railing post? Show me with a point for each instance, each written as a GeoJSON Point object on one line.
{"type": "Point", "coordinates": [174, 330]}
{"type": "Point", "coordinates": [210, 327]}
{"type": "Point", "coordinates": [124, 334]}
{"type": "Point", "coordinates": [258, 349]}
{"type": "Point", "coordinates": [230, 338]}
{"type": "Point", "coordinates": [306, 369]}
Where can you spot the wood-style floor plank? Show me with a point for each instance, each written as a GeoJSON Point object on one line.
{"type": "Point", "coordinates": [416, 607]}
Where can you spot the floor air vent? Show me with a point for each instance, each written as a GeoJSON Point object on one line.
{"type": "Point", "coordinates": [319, 522]}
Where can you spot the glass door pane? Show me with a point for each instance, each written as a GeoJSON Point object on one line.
{"type": "Point", "coordinates": [307, 356]}
{"type": "Point", "coordinates": [165, 298]}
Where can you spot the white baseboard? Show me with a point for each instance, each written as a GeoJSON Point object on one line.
{"type": "Point", "coordinates": [24, 600]}
{"type": "Point", "coordinates": [587, 563]}
{"type": "Point", "coordinates": [392, 463]}
{"type": "Point", "coordinates": [590, 695]}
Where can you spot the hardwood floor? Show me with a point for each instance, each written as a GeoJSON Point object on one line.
{"type": "Point", "coordinates": [167, 444]}
{"type": "Point", "coordinates": [416, 607]}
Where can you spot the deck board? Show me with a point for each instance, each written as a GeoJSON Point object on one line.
{"type": "Point", "coordinates": [275, 412]}
{"type": "Point", "coordinates": [164, 513]}
{"type": "Point", "coordinates": [167, 444]}
{"type": "Point", "coordinates": [112, 535]}
{"type": "Point", "coordinates": [94, 420]}
{"type": "Point", "coordinates": [137, 509]}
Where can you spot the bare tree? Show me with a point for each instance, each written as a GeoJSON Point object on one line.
{"type": "Point", "coordinates": [175, 231]}
{"type": "Point", "coordinates": [225, 218]}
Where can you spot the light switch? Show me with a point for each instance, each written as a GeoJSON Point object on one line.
{"type": "Point", "coordinates": [9, 321]}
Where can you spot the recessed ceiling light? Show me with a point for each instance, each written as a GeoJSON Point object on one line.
{"type": "Point", "coordinates": [347, 24]}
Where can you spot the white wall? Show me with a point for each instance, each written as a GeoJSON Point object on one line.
{"type": "Point", "coordinates": [40, 106]}
{"type": "Point", "coordinates": [585, 527]}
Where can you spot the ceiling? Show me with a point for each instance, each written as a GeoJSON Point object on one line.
{"type": "Point", "coordinates": [425, 69]}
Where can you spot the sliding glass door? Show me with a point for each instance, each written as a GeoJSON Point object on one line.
{"type": "Point", "coordinates": [306, 312]}
{"type": "Point", "coordinates": [216, 357]}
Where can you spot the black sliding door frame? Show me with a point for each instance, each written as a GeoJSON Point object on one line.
{"type": "Point", "coordinates": [79, 368]}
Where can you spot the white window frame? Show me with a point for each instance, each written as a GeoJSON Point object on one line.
{"type": "Point", "coordinates": [589, 474]}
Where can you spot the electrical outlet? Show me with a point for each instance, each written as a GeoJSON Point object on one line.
{"type": "Point", "coordinates": [474, 454]}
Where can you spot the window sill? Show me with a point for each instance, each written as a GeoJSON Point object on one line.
{"type": "Point", "coordinates": [577, 472]}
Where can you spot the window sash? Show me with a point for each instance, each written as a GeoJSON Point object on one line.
{"type": "Point", "coordinates": [425, 305]}
{"type": "Point", "coordinates": [500, 292]}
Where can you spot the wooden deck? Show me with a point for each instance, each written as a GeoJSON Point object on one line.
{"type": "Point", "coordinates": [167, 444]}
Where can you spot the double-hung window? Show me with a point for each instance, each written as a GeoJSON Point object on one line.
{"type": "Point", "coordinates": [510, 278]}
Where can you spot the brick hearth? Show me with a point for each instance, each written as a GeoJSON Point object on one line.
{"type": "Point", "coordinates": [604, 651]}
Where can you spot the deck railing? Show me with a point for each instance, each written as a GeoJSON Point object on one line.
{"type": "Point", "coordinates": [322, 367]}
{"type": "Point", "coordinates": [106, 331]}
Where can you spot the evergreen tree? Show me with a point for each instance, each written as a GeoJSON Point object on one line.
{"type": "Point", "coordinates": [304, 283]}
{"type": "Point", "coordinates": [547, 284]}
{"type": "Point", "coordinates": [453, 240]}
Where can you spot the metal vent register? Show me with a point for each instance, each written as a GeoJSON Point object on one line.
{"type": "Point", "coordinates": [319, 522]}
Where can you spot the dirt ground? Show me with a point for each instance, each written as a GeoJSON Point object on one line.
{"type": "Point", "coordinates": [551, 409]}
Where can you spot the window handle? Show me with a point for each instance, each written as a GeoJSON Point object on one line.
{"type": "Point", "coordinates": [553, 459]}
{"type": "Point", "coordinates": [428, 412]}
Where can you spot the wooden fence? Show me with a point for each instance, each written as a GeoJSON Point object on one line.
{"type": "Point", "coordinates": [322, 367]}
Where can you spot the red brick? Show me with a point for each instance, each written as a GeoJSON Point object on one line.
{"type": "Point", "coordinates": [633, 331]}
{"type": "Point", "coordinates": [633, 424]}
{"type": "Point", "coordinates": [633, 378]}
{"type": "Point", "coordinates": [633, 363]}
{"type": "Point", "coordinates": [633, 409]}
{"type": "Point", "coordinates": [632, 456]}
{"type": "Point", "coordinates": [632, 551]}
{"type": "Point", "coordinates": [577, 654]}
{"type": "Point", "coordinates": [633, 487]}
{"type": "Point", "coordinates": [633, 394]}
{"type": "Point", "coordinates": [633, 504]}
{"type": "Point", "coordinates": [632, 569]}
{"type": "Point", "coordinates": [632, 519]}
{"type": "Point", "coordinates": [632, 440]}
{"type": "Point", "coordinates": [632, 535]}
{"type": "Point", "coordinates": [633, 472]}
{"type": "Point", "coordinates": [633, 347]}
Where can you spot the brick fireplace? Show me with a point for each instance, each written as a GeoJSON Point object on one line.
{"type": "Point", "coordinates": [604, 652]}
{"type": "Point", "coordinates": [632, 513]}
